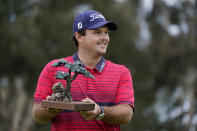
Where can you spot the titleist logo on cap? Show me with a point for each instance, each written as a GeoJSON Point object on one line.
{"type": "Point", "coordinates": [96, 16]}
{"type": "Point", "coordinates": [91, 19]}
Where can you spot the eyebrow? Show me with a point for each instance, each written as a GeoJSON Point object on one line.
{"type": "Point", "coordinates": [97, 29]}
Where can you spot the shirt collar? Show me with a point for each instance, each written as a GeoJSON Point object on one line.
{"type": "Point", "coordinates": [99, 67]}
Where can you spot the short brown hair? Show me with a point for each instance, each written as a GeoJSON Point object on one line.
{"type": "Point", "coordinates": [83, 32]}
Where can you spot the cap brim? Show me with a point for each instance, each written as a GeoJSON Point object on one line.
{"type": "Point", "coordinates": [111, 25]}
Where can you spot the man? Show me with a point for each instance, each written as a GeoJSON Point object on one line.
{"type": "Point", "coordinates": [111, 91]}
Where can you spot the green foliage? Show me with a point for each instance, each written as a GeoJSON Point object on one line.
{"type": "Point", "coordinates": [33, 33]}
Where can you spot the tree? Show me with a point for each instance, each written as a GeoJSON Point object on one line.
{"type": "Point", "coordinates": [157, 44]}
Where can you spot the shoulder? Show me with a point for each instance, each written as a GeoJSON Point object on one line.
{"type": "Point", "coordinates": [116, 67]}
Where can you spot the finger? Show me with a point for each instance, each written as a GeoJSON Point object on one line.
{"type": "Point", "coordinates": [52, 110]}
{"type": "Point", "coordinates": [48, 97]}
{"type": "Point", "coordinates": [88, 100]}
{"type": "Point", "coordinates": [82, 114]}
{"type": "Point", "coordinates": [86, 116]}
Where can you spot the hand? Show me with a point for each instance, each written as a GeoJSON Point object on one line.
{"type": "Point", "coordinates": [89, 115]}
{"type": "Point", "coordinates": [52, 110]}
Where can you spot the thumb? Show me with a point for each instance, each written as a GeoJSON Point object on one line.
{"type": "Point", "coordinates": [48, 98]}
{"type": "Point", "coordinates": [88, 100]}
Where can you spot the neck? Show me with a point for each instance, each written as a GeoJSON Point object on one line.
{"type": "Point", "coordinates": [88, 60]}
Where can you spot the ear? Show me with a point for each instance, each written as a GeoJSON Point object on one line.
{"type": "Point", "coordinates": [78, 37]}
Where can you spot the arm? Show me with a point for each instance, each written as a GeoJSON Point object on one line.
{"type": "Point", "coordinates": [122, 112]}
{"type": "Point", "coordinates": [43, 91]}
{"type": "Point", "coordinates": [118, 114]}
{"type": "Point", "coordinates": [43, 115]}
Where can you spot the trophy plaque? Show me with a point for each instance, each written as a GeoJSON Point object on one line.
{"type": "Point", "coordinates": [61, 97]}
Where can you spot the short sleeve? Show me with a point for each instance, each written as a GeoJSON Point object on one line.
{"type": "Point", "coordinates": [125, 92]}
{"type": "Point", "coordinates": [44, 85]}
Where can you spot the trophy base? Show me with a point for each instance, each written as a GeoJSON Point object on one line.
{"type": "Point", "coordinates": [75, 106]}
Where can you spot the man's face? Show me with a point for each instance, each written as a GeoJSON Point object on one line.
{"type": "Point", "coordinates": [95, 41]}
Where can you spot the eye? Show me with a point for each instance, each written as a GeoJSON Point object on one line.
{"type": "Point", "coordinates": [107, 32]}
{"type": "Point", "coordinates": [97, 32]}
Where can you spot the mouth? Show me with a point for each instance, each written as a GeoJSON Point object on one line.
{"type": "Point", "coordinates": [102, 45]}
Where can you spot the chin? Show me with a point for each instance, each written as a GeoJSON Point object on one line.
{"type": "Point", "coordinates": [102, 52]}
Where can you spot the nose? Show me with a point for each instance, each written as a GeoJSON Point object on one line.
{"type": "Point", "coordinates": [105, 37]}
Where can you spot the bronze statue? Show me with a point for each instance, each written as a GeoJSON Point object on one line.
{"type": "Point", "coordinates": [60, 93]}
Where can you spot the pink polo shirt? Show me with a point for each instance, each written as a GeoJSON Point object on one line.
{"type": "Point", "coordinates": [112, 85]}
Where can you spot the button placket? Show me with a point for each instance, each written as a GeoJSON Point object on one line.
{"type": "Point", "coordinates": [89, 80]}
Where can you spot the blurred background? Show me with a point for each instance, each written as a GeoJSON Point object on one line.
{"type": "Point", "coordinates": [156, 40]}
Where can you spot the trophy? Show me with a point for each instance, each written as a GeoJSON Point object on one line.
{"type": "Point", "coordinates": [61, 97]}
